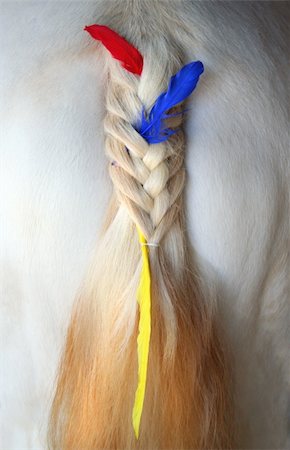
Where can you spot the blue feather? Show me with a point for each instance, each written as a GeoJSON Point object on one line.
{"type": "Point", "coordinates": [181, 85]}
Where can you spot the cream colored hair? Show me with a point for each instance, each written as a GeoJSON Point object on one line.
{"type": "Point", "coordinates": [186, 400]}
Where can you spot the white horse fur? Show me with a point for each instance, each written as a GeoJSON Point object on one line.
{"type": "Point", "coordinates": [55, 188]}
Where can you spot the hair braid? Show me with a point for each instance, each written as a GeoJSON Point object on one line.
{"type": "Point", "coordinates": [186, 404]}
{"type": "Point", "coordinates": [146, 177]}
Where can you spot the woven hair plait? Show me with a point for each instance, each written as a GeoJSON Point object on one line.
{"type": "Point", "coordinates": [142, 341]}
{"type": "Point", "coordinates": [152, 128]}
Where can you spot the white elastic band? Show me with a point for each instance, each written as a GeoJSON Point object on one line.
{"type": "Point", "coordinates": [150, 244]}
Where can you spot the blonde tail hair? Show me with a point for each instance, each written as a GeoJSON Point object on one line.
{"type": "Point", "coordinates": [186, 402]}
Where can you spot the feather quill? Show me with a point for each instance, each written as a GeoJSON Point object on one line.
{"type": "Point", "coordinates": [181, 85]}
{"type": "Point", "coordinates": [130, 58]}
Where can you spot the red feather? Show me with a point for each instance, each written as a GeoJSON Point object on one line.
{"type": "Point", "coordinates": [130, 58]}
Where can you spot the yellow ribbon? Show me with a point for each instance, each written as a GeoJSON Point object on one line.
{"type": "Point", "coordinates": [143, 340]}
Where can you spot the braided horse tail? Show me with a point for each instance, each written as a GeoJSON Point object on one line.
{"type": "Point", "coordinates": [185, 404]}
